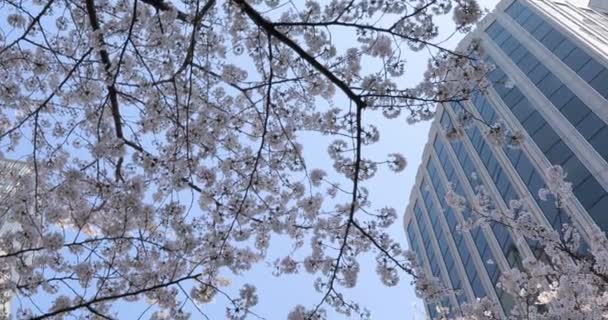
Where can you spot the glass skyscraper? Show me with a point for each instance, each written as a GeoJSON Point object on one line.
{"type": "Point", "coordinates": [10, 174]}
{"type": "Point", "coordinates": [556, 55]}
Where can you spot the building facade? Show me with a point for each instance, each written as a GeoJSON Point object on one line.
{"type": "Point", "coordinates": [10, 174]}
{"type": "Point", "coordinates": [551, 83]}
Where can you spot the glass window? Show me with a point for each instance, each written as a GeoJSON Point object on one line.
{"type": "Point", "coordinates": [523, 16]}
{"type": "Point", "coordinates": [552, 39]}
{"type": "Point", "coordinates": [549, 84]}
{"type": "Point", "coordinates": [576, 59]}
{"type": "Point", "coordinates": [509, 45]}
{"type": "Point", "coordinates": [561, 96]}
{"type": "Point", "coordinates": [522, 110]}
{"type": "Point", "coordinates": [599, 213]}
{"type": "Point", "coordinates": [600, 142]}
{"type": "Point", "coordinates": [532, 23]}
{"type": "Point", "coordinates": [518, 54]}
{"type": "Point", "coordinates": [600, 83]}
{"type": "Point", "coordinates": [501, 234]}
{"type": "Point", "coordinates": [591, 69]}
{"type": "Point", "coordinates": [559, 153]}
{"type": "Point", "coordinates": [502, 183]}
{"type": "Point", "coordinates": [590, 125]}
{"type": "Point", "coordinates": [564, 49]}
{"type": "Point", "coordinates": [527, 63]}
{"type": "Point", "coordinates": [515, 9]}
{"type": "Point", "coordinates": [573, 111]}
{"type": "Point", "coordinates": [477, 287]}
{"type": "Point", "coordinates": [536, 182]}
{"type": "Point", "coordinates": [525, 169]}
{"type": "Point", "coordinates": [501, 37]}
{"type": "Point", "coordinates": [541, 31]}
{"type": "Point", "coordinates": [533, 123]}
{"type": "Point", "coordinates": [493, 29]}
{"type": "Point", "coordinates": [513, 97]}
{"type": "Point", "coordinates": [589, 192]}
{"type": "Point", "coordinates": [576, 171]}
{"type": "Point", "coordinates": [545, 137]}
{"type": "Point", "coordinates": [550, 211]}
{"type": "Point", "coordinates": [481, 243]}
{"type": "Point", "coordinates": [538, 73]}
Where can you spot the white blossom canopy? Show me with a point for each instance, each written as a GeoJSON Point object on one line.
{"type": "Point", "coordinates": [164, 144]}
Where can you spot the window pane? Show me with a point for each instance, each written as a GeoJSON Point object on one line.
{"type": "Point", "coordinates": [561, 96]}
{"type": "Point", "coordinates": [539, 73]}
{"type": "Point", "coordinates": [572, 111]}
{"type": "Point", "coordinates": [518, 54]}
{"type": "Point", "coordinates": [600, 83]}
{"type": "Point", "coordinates": [545, 137]}
{"type": "Point", "coordinates": [599, 213]}
{"type": "Point", "coordinates": [541, 31]}
{"type": "Point", "coordinates": [589, 192]}
{"type": "Point", "coordinates": [549, 84]}
{"type": "Point", "coordinates": [576, 59]}
{"type": "Point", "coordinates": [552, 40]}
{"type": "Point", "coordinates": [559, 153]}
{"type": "Point", "coordinates": [527, 63]}
{"type": "Point", "coordinates": [522, 110]}
{"type": "Point", "coordinates": [533, 123]}
{"type": "Point", "coordinates": [590, 70]}
{"type": "Point", "coordinates": [600, 142]}
{"type": "Point", "coordinates": [590, 125]}
{"type": "Point", "coordinates": [532, 23]}
{"type": "Point", "coordinates": [564, 49]}
{"type": "Point", "coordinates": [576, 171]}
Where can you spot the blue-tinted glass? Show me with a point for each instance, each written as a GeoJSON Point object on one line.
{"type": "Point", "coordinates": [518, 54]}
{"type": "Point", "coordinates": [552, 39]}
{"type": "Point", "coordinates": [513, 97]}
{"type": "Point", "coordinates": [501, 37]}
{"type": "Point", "coordinates": [590, 125]}
{"type": "Point", "coordinates": [541, 31]}
{"type": "Point", "coordinates": [576, 59]}
{"type": "Point", "coordinates": [515, 9]}
{"type": "Point", "coordinates": [600, 142]}
{"type": "Point", "coordinates": [564, 49]}
{"type": "Point", "coordinates": [549, 210]}
{"type": "Point", "coordinates": [599, 213]}
{"type": "Point", "coordinates": [559, 153]}
{"type": "Point", "coordinates": [501, 233]}
{"type": "Point", "coordinates": [502, 183]}
{"type": "Point", "coordinates": [539, 73]}
{"type": "Point", "coordinates": [545, 137]}
{"type": "Point", "coordinates": [590, 70]}
{"type": "Point", "coordinates": [527, 63]}
{"type": "Point", "coordinates": [509, 45]}
{"type": "Point", "coordinates": [576, 171]}
{"type": "Point", "coordinates": [525, 169]}
{"type": "Point", "coordinates": [523, 16]}
{"type": "Point", "coordinates": [478, 289]}
{"type": "Point", "coordinates": [536, 182]}
{"type": "Point", "coordinates": [589, 192]}
{"type": "Point", "coordinates": [522, 110]}
{"type": "Point", "coordinates": [600, 83]}
{"type": "Point", "coordinates": [549, 85]}
{"type": "Point", "coordinates": [481, 243]}
{"type": "Point", "coordinates": [561, 96]}
{"type": "Point", "coordinates": [493, 30]}
{"type": "Point", "coordinates": [572, 110]}
{"type": "Point", "coordinates": [533, 122]}
{"type": "Point", "coordinates": [532, 23]}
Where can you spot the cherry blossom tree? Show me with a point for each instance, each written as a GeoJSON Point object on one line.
{"type": "Point", "coordinates": [164, 141]}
